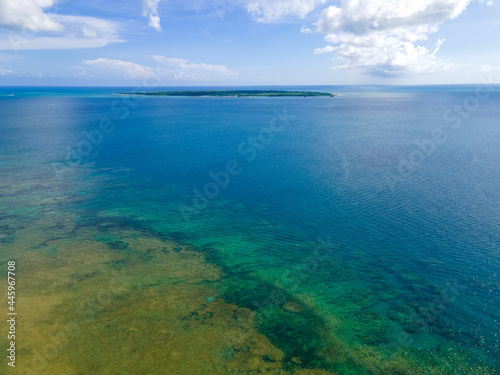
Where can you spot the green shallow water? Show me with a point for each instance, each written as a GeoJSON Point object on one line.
{"type": "Point", "coordinates": [115, 295]}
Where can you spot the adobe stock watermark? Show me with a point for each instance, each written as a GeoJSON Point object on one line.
{"type": "Point", "coordinates": [55, 344]}
{"type": "Point", "coordinates": [19, 39]}
{"type": "Point", "coordinates": [248, 150]}
{"type": "Point", "coordinates": [422, 317]}
{"type": "Point", "coordinates": [222, 7]}
{"type": "Point", "coordinates": [92, 139]}
{"type": "Point", "coordinates": [290, 281]}
{"type": "Point", "coordinates": [453, 120]}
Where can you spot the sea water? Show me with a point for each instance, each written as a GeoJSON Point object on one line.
{"type": "Point", "coordinates": [355, 234]}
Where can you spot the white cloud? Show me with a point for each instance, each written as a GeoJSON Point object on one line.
{"type": "Point", "coordinates": [413, 18]}
{"type": "Point", "coordinates": [327, 49]}
{"type": "Point", "coordinates": [184, 68]}
{"type": "Point", "coordinates": [88, 27]}
{"type": "Point", "coordinates": [28, 15]}
{"type": "Point", "coordinates": [19, 42]}
{"type": "Point", "coordinates": [306, 30]}
{"type": "Point", "coordinates": [274, 10]}
{"type": "Point", "coordinates": [29, 27]}
{"type": "Point", "coordinates": [489, 69]}
{"type": "Point", "coordinates": [5, 72]}
{"type": "Point", "coordinates": [490, 73]}
{"type": "Point", "coordinates": [150, 10]}
{"type": "Point", "coordinates": [109, 69]}
{"type": "Point", "coordinates": [167, 68]}
{"type": "Point", "coordinates": [378, 36]}
{"type": "Point", "coordinates": [183, 76]}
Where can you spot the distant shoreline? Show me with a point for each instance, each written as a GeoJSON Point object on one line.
{"type": "Point", "coordinates": [233, 93]}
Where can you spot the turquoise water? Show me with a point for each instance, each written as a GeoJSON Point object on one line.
{"type": "Point", "coordinates": [362, 230]}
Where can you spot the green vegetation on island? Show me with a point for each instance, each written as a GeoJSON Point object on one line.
{"type": "Point", "coordinates": [232, 93]}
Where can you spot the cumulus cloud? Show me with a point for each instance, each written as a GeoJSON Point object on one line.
{"type": "Point", "coordinates": [379, 36]}
{"type": "Point", "coordinates": [183, 69]}
{"type": "Point", "coordinates": [28, 15]}
{"type": "Point", "coordinates": [327, 49]}
{"type": "Point", "coordinates": [264, 11]}
{"type": "Point", "coordinates": [110, 68]}
{"type": "Point", "coordinates": [306, 30]}
{"type": "Point", "coordinates": [29, 26]}
{"type": "Point", "coordinates": [274, 10]}
{"type": "Point", "coordinates": [150, 10]}
{"type": "Point", "coordinates": [166, 69]}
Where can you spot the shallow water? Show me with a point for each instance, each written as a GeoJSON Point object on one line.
{"type": "Point", "coordinates": [358, 235]}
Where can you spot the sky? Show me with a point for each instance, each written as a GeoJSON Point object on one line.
{"type": "Point", "coordinates": [248, 42]}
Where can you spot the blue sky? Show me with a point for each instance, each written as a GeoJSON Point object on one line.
{"type": "Point", "coordinates": [248, 42]}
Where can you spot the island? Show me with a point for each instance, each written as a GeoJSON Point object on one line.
{"type": "Point", "coordinates": [232, 93]}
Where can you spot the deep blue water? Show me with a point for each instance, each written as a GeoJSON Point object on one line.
{"type": "Point", "coordinates": [404, 181]}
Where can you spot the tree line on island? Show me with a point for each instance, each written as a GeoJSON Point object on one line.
{"type": "Point", "coordinates": [232, 93]}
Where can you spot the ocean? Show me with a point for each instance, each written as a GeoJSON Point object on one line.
{"type": "Point", "coordinates": [355, 234]}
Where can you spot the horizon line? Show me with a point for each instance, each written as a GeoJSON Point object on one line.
{"type": "Point", "coordinates": [267, 85]}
